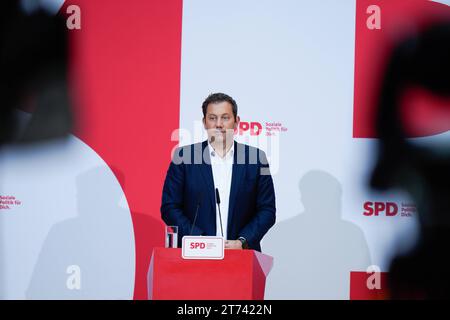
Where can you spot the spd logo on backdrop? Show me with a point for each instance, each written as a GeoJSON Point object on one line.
{"type": "Point", "coordinates": [255, 128]}
{"type": "Point", "coordinates": [388, 209]}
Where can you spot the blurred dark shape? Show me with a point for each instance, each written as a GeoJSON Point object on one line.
{"type": "Point", "coordinates": [33, 74]}
{"type": "Point", "coordinates": [423, 170]}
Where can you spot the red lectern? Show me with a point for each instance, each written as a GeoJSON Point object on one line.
{"type": "Point", "coordinates": [241, 275]}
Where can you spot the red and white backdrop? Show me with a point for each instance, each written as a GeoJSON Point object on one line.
{"type": "Point", "coordinates": [79, 219]}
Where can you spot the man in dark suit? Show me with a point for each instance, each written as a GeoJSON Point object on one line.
{"type": "Point", "coordinates": [240, 173]}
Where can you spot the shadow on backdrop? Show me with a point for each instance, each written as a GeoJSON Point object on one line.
{"type": "Point", "coordinates": [315, 251]}
{"type": "Point", "coordinates": [144, 242]}
{"type": "Point", "coordinates": [81, 257]}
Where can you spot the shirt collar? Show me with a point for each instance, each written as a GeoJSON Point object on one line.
{"type": "Point", "coordinates": [213, 153]}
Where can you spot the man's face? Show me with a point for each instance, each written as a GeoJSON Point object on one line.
{"type": "Point", "coordinates": [219, 121]}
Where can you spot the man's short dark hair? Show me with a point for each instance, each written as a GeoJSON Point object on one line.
{"type": "Point", "coordinates": [219, 97]}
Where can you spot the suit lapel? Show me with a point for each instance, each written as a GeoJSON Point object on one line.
{"type": "Point", "coordinates": [206, 170]}
{"type": "Point", "coordinates": [236, 178]}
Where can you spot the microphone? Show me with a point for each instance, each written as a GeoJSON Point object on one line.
{"type": "Point", "coordinates": [200, 197]}
{"type": "Point", "coordinates": [220, 215]}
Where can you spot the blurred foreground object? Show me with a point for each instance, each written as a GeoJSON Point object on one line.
{"type": "Point", "coordinates": [34, 99]}
{"type": "Point", "coordinates": [419, 66]}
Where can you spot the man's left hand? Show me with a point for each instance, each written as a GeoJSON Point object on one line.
{"type": "Point", "coordinates": [233, 244]}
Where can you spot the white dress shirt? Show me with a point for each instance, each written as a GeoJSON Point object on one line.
{"type": "Point", "coordinates": [222, 169]}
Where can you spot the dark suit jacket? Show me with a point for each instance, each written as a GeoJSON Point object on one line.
{"type": "Point", "coordinates": [189, 184]}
